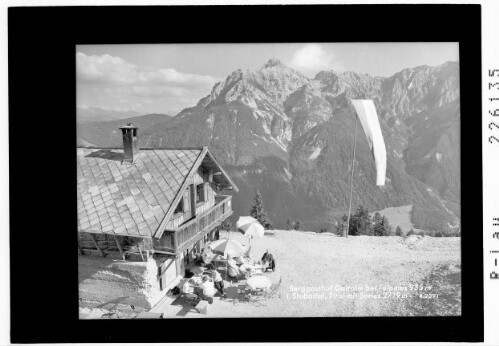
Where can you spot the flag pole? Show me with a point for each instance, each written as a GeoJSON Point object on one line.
{"type": "Point", "coordinates": [351, 178]}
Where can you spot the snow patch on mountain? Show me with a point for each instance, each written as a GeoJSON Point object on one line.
{"type": "Point", "coordinates": [315, 153]}
{"type": "Point", "coordinates": [210, 120]}
{"type": "Point", "coordinates": [438, 156]}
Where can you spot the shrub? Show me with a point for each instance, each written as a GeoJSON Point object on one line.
{"type": "Point", "coordinates": [294, 225]}
{"type": "Point", "coordinates": [398, 231]}
{"type": "Point", "coordinates": [341, 225]}
{"type": "Point", "coordinates": [411, 232]}
{"type": "Point", "coordinates": [298, 225]}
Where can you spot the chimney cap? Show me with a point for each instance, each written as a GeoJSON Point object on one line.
{"type": "Point", "coordinates": [129, 126]}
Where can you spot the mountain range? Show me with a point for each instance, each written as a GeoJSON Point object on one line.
{"type": "Point", "coordinates": [291, 137]}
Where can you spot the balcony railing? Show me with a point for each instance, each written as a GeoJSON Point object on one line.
{"type": "Point", "coordinates": [193, 230]}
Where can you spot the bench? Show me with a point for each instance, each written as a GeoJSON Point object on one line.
{"type": "Point", "coordinates": [202, 307]}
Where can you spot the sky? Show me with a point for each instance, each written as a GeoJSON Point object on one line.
{"type": "Point", "coordinates": [166, 78]}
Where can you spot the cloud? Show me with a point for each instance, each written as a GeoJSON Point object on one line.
{"type": "Point", "coordinates": [108, 69]}
{"type": "Point", "coordinates": [120, 80]}
{"type": "Point", "coordinates": [313, 58]}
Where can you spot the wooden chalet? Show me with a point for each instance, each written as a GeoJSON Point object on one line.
{"type": "Point", "coordinates": [136, 205]}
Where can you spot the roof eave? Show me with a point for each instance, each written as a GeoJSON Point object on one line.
{"type": "Point", "coordinates": [234, 186]}
{"type": "Point", "coordinates": [161, 228]}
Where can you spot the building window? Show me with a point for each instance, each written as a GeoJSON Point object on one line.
{"type": "Point", "coordinates": [180, 207]}
{"type": "Point", "coordinates": [200, 193]}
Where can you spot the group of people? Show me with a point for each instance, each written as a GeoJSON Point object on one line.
{"type": "Point", "coordinates": [242, 266]}
{"type": "Point", "coordinates": [211, 280]}
{"type": "Point", "coordinates": [204, 257]}
{"type": "Point", "coordinates": [211, 283]}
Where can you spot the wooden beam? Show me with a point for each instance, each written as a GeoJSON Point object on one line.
{"type": "Point", "coordinates": [165, 253]}
{"type": "Point", "coordinates": [119, 247]}
{"type": "Point", "coordinates": [174, 241]}
{"type": "Point", "coordinates": [95, 243]}
{"type": "Point", "coordinates": [140, 252]}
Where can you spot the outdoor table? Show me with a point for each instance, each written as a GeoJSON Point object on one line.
{"type": "Point", "coordinates": [219, 261]}
{"type": "Point", "coordinates": [259, 282]}
{"type": "Point", "coordinates": [257, 269]}
{"type": "Point", "coordinates": [198, 270]}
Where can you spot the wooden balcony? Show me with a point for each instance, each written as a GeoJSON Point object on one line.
{"type": "Point", "coordinates": [194, 229]}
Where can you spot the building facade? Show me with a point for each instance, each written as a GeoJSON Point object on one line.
{"type": "Point", "coordinates": [145, 208]}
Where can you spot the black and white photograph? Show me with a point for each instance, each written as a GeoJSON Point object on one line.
{"type": "Point", "coordinates": [279, 172]}
{"type": "Point", "coordinates": [229, 180]}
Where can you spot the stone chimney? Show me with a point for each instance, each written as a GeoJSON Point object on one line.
{"type": "Point", "coordinates": [130, 142]}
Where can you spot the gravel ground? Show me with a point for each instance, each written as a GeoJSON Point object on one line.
{"type": "Point", "coordinates": [354, 276]}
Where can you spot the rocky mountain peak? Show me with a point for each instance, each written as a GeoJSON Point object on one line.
{"type": "Point", "coordinates": [273, 63]}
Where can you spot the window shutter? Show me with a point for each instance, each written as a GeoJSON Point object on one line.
{"type": "Point", "coordinates": [205, 192]}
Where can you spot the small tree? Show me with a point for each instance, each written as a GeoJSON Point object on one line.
{"type": "Point", "coordinates": [398, 231]}
{"type": "Point", "coordinates": [387, 229]}
{"type": "Point", "coordinates": [289, 225]}
{"type": "Point", "coordinates": [257, 211]}
{"type": "Point", "coordinates": [376, 224]}
{"type": "Point", "coordinates": [360, 222]}
{"type": "Point", "coordinates": [382, 228]}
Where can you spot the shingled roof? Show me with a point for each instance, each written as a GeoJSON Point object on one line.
{"type": "Point", "coordinates": [132, 199]}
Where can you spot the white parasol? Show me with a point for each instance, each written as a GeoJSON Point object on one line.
{"type": "Point", "coordinates": [250, 227]}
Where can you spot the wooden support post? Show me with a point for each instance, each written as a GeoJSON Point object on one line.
{"type": "Point", "coordinates": [119, 247]}
{"type": "Point", "coordinates": [140, 252]}
{"type": "Point", "coordinates": [174, 241]}
{"type": "Point", "coordinates": [79, 250]}
{"type": "Point", "coordinates": [95, 243]}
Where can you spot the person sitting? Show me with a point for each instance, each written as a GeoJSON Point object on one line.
{"type": "Point", "coordinates": [208, 290]}
{"type": "Point", "coordinates": [268, 261]}
{"type": "Point", "coordinates": [218, 282]}
{"type": "Point", "coordinates": [232, 269]}
{"type": "Point", "coordinates": [188, 291]}
{"type": "Point", "coordinates": [240, 260]}
{"type": "Point", "coordinates": [206, 255]}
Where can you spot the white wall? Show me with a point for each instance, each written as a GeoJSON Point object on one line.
{"type": "Point", "coordinates": [116, 285]}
